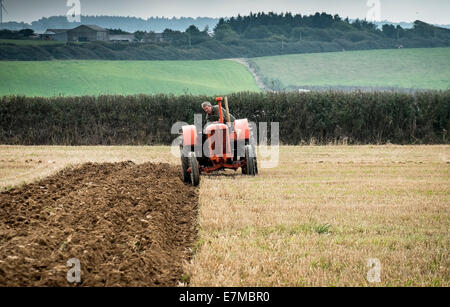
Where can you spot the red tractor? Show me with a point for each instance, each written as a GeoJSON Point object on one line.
{"type": "Point", "coordinates": [222, 146]}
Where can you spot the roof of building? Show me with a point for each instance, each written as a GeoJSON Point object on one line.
{"type": "Point", "coordinates": [93, 27]}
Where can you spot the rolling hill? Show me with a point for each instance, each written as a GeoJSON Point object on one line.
{"type": "Point", "coordinates": [421, 68]}
{"type": "Point", "coordinates": [76, 78]}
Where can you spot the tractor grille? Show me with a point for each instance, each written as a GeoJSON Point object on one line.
{"type": "Point", "coordinates": [218, 139]}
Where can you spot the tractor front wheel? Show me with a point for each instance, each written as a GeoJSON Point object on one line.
{"type": "Point", "coordinates": [195, 172]}
{"type": "Point", "coordinates": [244, 168]}
{"type": "Point", "coordinates": [184, 168]}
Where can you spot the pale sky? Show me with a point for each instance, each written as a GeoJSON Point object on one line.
{"type": "Point", "coordinates": [431, 11]}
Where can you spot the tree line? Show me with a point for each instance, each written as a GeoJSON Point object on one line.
{"type": "Point", "coordinates": [254, 35]}
{"type": "Point", "coordinates": [128, 24]}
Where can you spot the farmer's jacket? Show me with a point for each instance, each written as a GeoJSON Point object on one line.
{"type": "Point", "coordinates": [215, 116]}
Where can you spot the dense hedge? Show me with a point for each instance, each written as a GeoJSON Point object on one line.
{"type": "Point", "coordinates": [356, 118]}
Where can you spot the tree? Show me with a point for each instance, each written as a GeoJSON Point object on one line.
{"type": "Point", "coordinates": [257, 32]}
{"type": "Point", "coordinates": [193, 30]}
{"type": "Point", "coordinates": [400, 32]}
{"type": "Point", "coordinates": [423, 29]}
{"type": "Point", "coordinates": [117, 31]}
{"type": "Point", "coordinates": [174, 37]}
{"type": "Point", "coordinates": [322, 20]}
{"type": "Point", "coordinates": [206, 30]}
{"type": "Point", "coordinates": [389, 31]}
{"type": "Point", "coordinates": [140, 35]}
{"type": "Point", "coordinates": [195, 36]}
{"type": "Point", "coordinates": [224, 32]}
{"type": "Point", "coordinates": [298, 33]}
{"type": "Point", "coordinates": [26, 32]}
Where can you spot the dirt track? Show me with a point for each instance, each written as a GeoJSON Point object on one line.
{"type": "Point", "coordinates": [128, 224]}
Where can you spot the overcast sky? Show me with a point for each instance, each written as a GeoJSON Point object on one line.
{"type": "Point", "coordinates": [432, 11]}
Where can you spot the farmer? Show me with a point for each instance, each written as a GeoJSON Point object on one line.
{"type": "Point", "coordinates": [212, 113]}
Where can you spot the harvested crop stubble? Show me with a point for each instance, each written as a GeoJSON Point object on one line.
{"type": "Point", "coordinates": [128, 224]}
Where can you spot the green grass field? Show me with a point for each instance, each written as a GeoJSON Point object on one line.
{"type": "Point", "coordinates": [405, 68]}
{"type": "Point", "coordinates": [75, 78]}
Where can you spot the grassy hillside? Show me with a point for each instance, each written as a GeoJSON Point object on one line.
{"type": "Point", "coordinates": [406, 68]}
{"type": "Point", "coordinates": [75, 78]}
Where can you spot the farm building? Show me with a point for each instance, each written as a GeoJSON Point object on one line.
{"type": "Point", "coordinates": [83, 33]}
{"type": "Point", "coordinates": [56, 34]}
{"type": "Point", "coordinates": [87, 33]}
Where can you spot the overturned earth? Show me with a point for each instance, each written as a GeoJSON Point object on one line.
{"type": "Point", "coordinates": [127, 224]}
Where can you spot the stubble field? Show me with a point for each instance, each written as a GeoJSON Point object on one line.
{"type": "Point", "coordinates": [314, 220]}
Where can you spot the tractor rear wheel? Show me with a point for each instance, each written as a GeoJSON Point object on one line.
{"type": "Point", "coordinates": [195, 172]}
{"type": "Point", "coordinates": [255, 161]}
{"type": "Point", "coordinates": [251, 168]}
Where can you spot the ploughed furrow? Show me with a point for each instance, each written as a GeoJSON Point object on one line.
{"type": "Point", "coordinates": [127, 224]}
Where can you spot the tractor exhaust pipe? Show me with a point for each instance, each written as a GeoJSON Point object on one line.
{"type": "Point", "coordinates": [220, 113]}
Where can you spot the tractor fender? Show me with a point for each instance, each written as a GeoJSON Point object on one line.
{"type": "Point", "coordinates": [216, 126]}
{"type": "Point", "coordinates": [189, 135]}
{"type": "Point", "coordinates": [241, 128]}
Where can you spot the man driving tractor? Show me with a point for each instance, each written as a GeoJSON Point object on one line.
{"type": "Point", "coordinates": [212, 113]}
{"type": "Point", "coordinates": [224, 144]}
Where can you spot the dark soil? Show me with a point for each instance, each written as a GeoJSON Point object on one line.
{"type": "Point", "coordinates": [128, 224]}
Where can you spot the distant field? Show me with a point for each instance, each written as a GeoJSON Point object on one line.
{"type": "Point", "coordinates": [427, 68]}
{"type": "Point", "coordinates": [28, 42]}
{"type": "Point", "coordinates": [75, 78]}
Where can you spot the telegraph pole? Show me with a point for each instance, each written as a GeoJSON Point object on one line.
{"type": "Point", "coordinates": [2, 7]}
{"type": "Point", "coordinates": [1, 12]}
